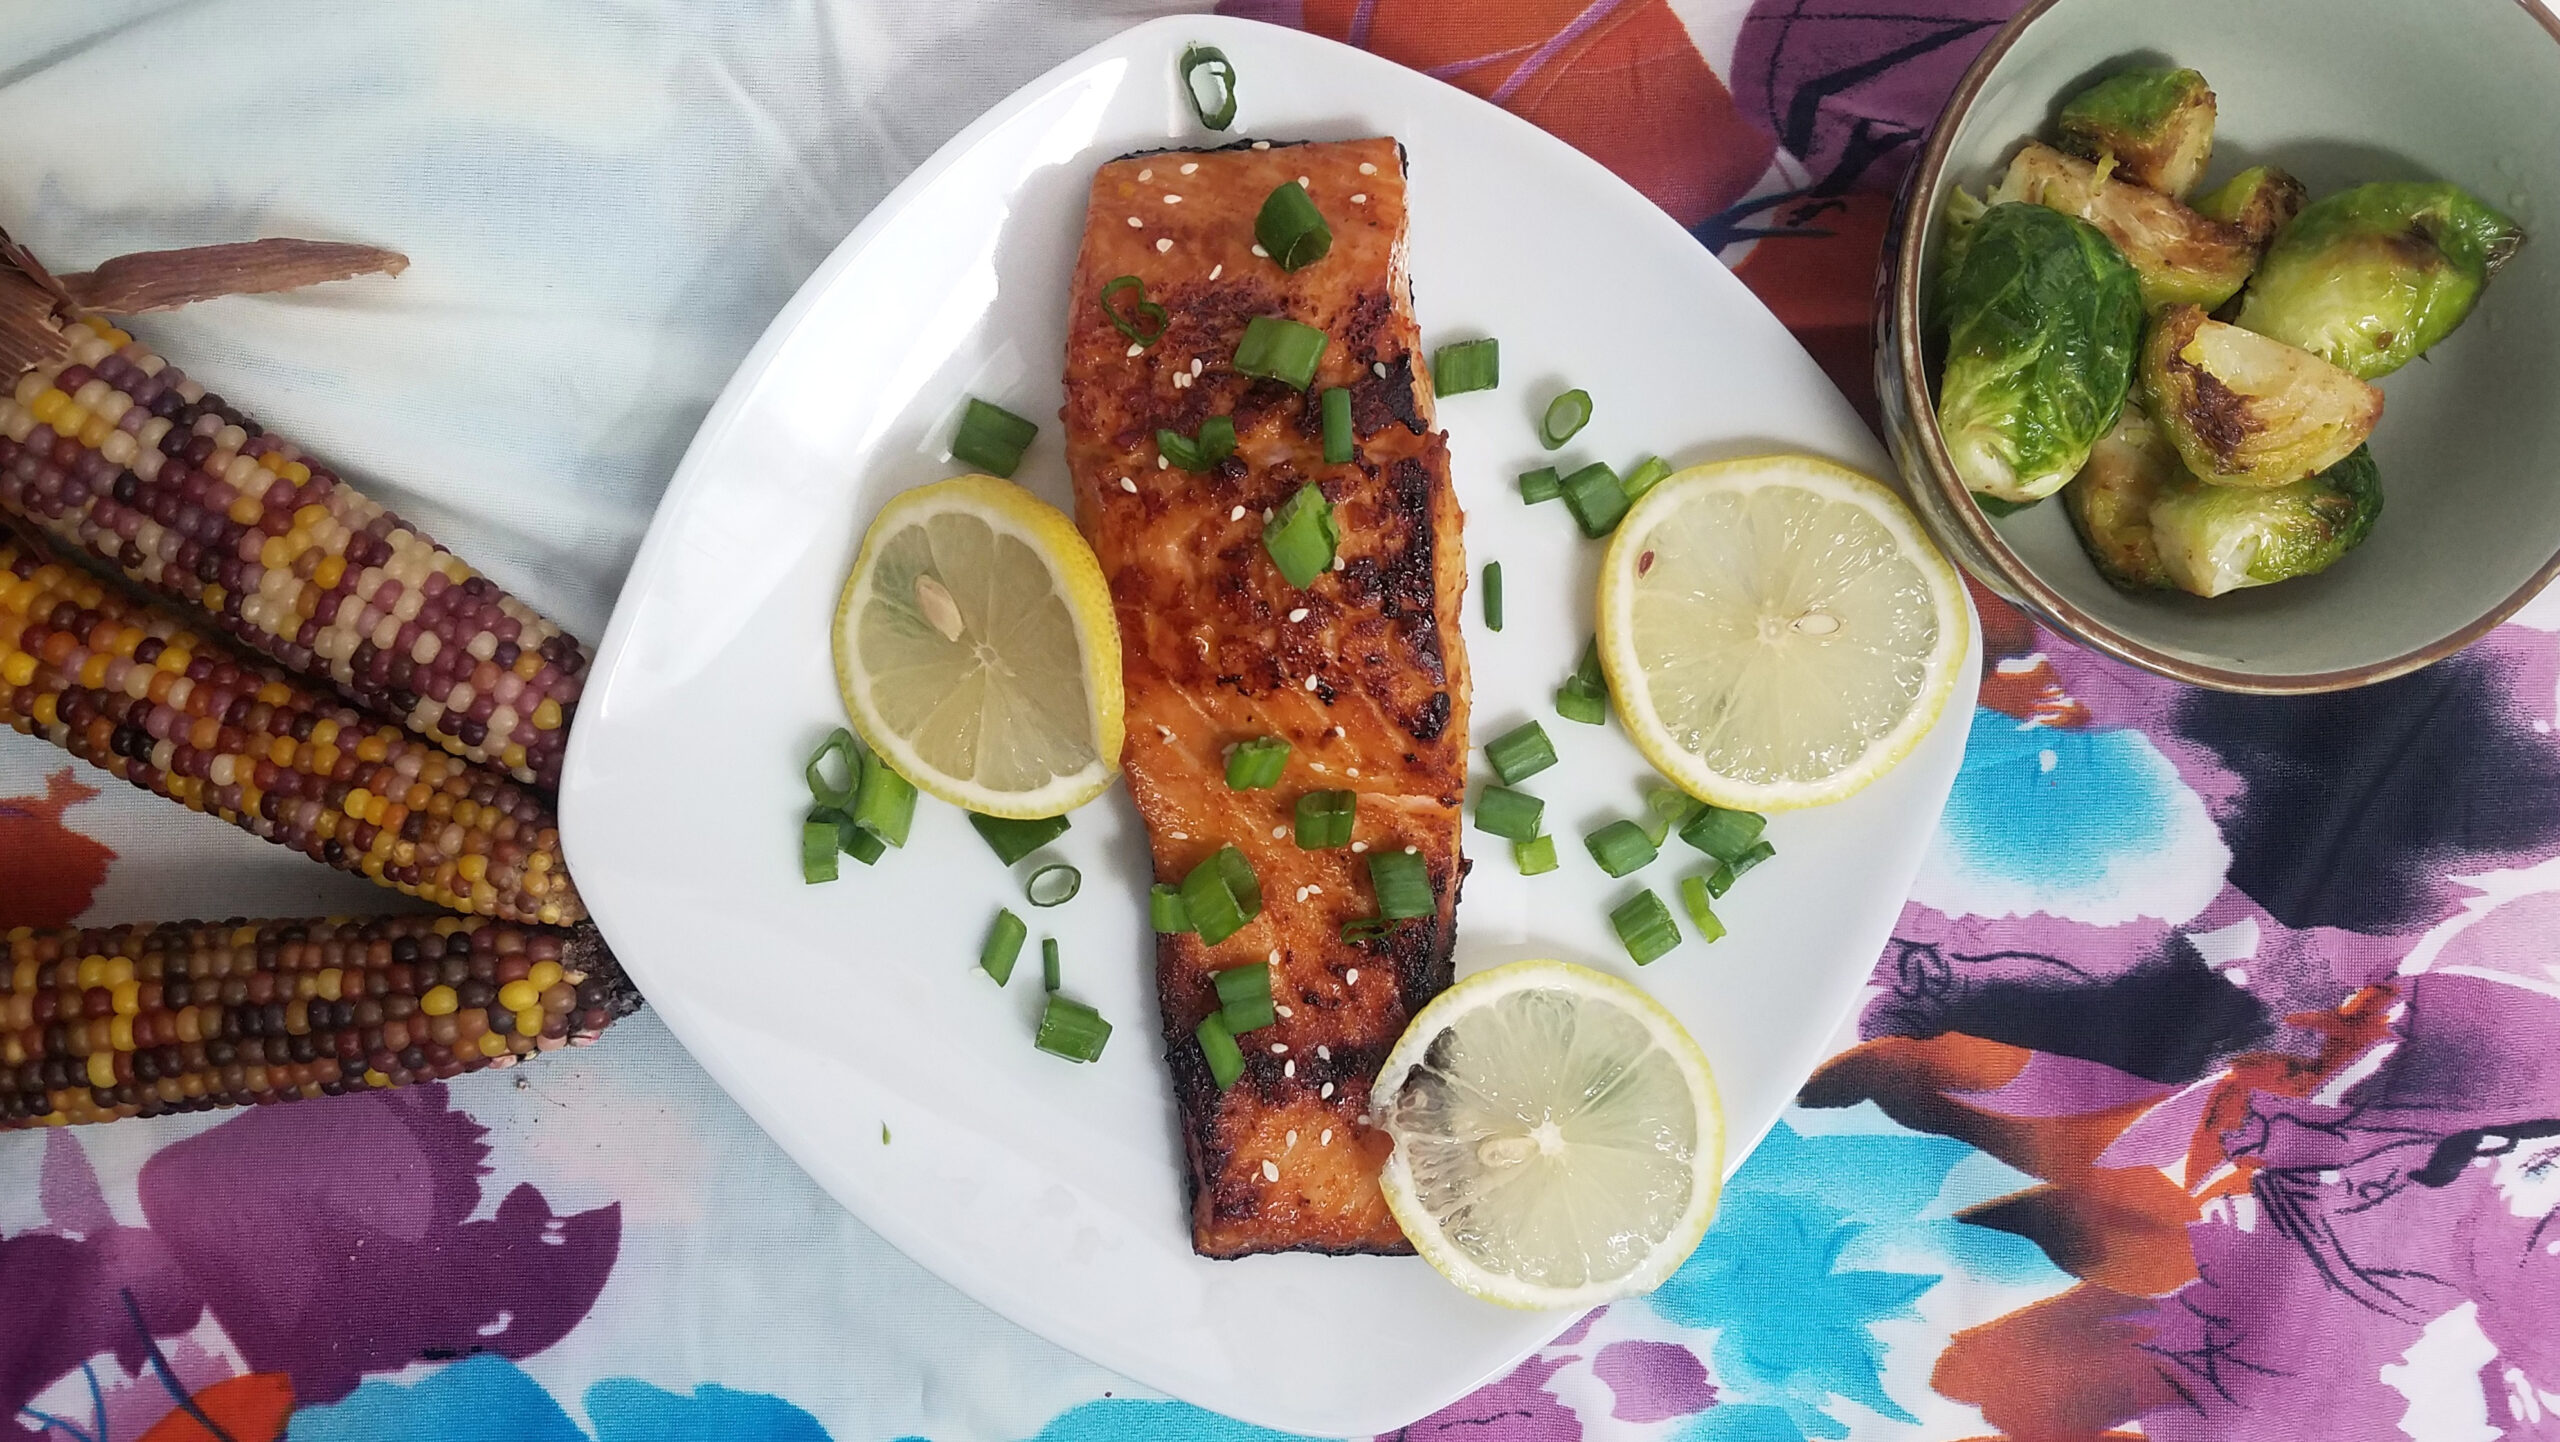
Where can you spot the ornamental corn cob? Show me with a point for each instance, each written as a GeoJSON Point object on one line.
{"type": "Point", "coordinates": [120, 454]}
{"type": "Point", "coordinates": [139, 1020]}
{"type": "Point", "coordinates": [123, 685]}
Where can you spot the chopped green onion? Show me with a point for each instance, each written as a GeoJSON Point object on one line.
{"type": "Point", "coordinates": [1667, 809]}
{"type": "Point", "coordinates": [1582, 706]}
{"type": "Point", "coordinates": [841, 745]}
{"type": "Point", "coordinates": [1645, 927]}
{"type": "Point", "coordinates": [1520, 753]}
{"type": "Point", "coordinates": [1724, 834]}
{"type": "Point", "coordinates": [1542, 484]}
{"type": "Point", "coordinates": [1049, 964]}
{"type": "Point", "coordinates": [1282, 350]}
{"type": "Point", "coordinates": [1996, 508]}
{"type": "Point", "coordinates": [1693, 896]}
{"type": "Point", "coordinates": [1165, 912]}
{"type": "Point", "coordinates": [1403, 885]}
{"type": "Point", "coordinates": [1221, 894]}
{"type": "Point", "coordinates": [1366, 928]}
{"type": "Point", "coordinates": [1244, 998]}
{"type": "Point", "coordinates": [1291, 228]}
{"type": "Point", "coordinates": [1216, 442]}
{"type": "Point", "coordinates": [1041, 892]}
{"type": "Point", "coordinates": [1596, 499]}
{"type": "Point", "coordinates": [1338, 440]}
{"type": "Point", "coordinates": [1222, 74]}
{"type": "Point", "coordinates": [1256, 765]}
{"type": "Point", "coordinates": [1493, 595]}
{"type": "Point", "coordinates": [886, 806]}
{"type": "Point", "coordinates": [1587, 672]}
{"type": "Point", "coordinates": [1141, 309]}
{"type": "Point", "coordinates": [1325, 818]}
{"type": "Point", "coordinates": [1511, 815]}
{"type": "Point", "coordinates": [992, 438]}
{"type": "Point", "coordinates": [1647, 475]}
{"type": "Point", "coordinates": [817, 851]}
{"type": "Point", "coordinates": [1621, 847]}
{"type": "Point", "coordinates": [1536, 856]}
{"type": "Point", "coordinates": [854, 840]}
{"type": "Point", "coordinates": [1301, 536]}
{"type": "Point", "coordinates": [1725, 876]}
{"type": "Point", "coordinates": [1470, 365]}
{"type": "Point", "coordinates": [1013, 839]}
{"type": "Point", "coordinates": [1566, 415]}
{"type": "Point", "coordinates": [1218, 1048]}
{"type": "Point", "coordinates": [1072, 1030]}
{"type": "Point", "coordinates": [1004, 944]}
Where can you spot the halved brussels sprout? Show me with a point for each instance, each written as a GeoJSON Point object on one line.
{"type": "Point", "coordinates": [2212, 539]}
{"type": "Point", "coordinates": [2158, 124]}
{"type": "Point", "coordinates": [2043, 322]}
{"type": "Point", "coordinates": [2181, 256]}
{"type": "Point", "coordinates": [2260, 201]}
{"type": "Point", "coordinates": [2245, 410]}
{"type": "Point", "coordinates": [2110, 501]}
{"type": "Point", "coordinates": [2369, 278]}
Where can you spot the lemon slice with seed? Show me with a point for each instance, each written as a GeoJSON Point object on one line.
{"type": "Point", "coordinates": [977, 651]}
{"type": "Point", "coordinates": [1777, 632]}
{"type": "Point", "coordinates": [1558, 1141]}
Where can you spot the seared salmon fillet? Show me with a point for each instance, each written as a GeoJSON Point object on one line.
{"type": "Point", "coordinates": [1363, 673]}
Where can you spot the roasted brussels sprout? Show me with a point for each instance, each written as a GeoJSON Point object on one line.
{"type": "Point", "coordinates": [2260, 201]}
{"type": "Point", "coordinates": [2245, 410]}
{"type": "Point", "coordinates": [2043, 319]}
{"type": "Point", "coordinates": [2212, 539]}
{"type": "Point", "coordinates": [2110, 500]}
{"type": "Point", "coordinates": [2157, 124]}
{"type": "Point", "coordinates": [2181, 256]}
{"type": "Point", "coordinates": [2369, 278]}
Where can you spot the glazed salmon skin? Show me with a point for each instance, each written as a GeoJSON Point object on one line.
{"type": "Point", "coordinates": [1363, 673]}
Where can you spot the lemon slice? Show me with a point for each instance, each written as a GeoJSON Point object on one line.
{"type": "Point", "coordinates": [977, 650]}
{"type": "Point", "coordinates": [1557, 1137]}
{"type": "Point", "coordinates": [1776, 631]}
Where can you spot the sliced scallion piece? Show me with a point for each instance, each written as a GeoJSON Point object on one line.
{"type": "Point", "coordinates": [1053, 885]}
{"type": "Point", "coordinates": [1244, 998]}
{"type": "Point", "coordinates": [886, 805]}
{"type": "Point", "coordinates": [1645, 927]}
{"type": "Point", "coordinates": [1281, 350]}
{"type": "Point", "coordinates": [1325, 819]}
{"type": "Point", "coordinates": [992, 438]}
{"type": "Point", "coordinates": [854, 840]}
{"type": "Point", "coordinates": [1003, 946]}
{"type": "Point", "coordinates": [1072, 1030]}
{"type": "Point", "coordinates": [1140, 310]}
{"type": "Point", "coordinates": [1339, 442]}
{"type": "Point", "coordinates": [1584, 697]}
{"type": "Point", "coordinates": [1403, 885]}
{"type": "Point", "coordinates": [1207, 64]}
{"type": "Point", "coordinates": [1535, 856]}
{"type": "Point", "coordinates": [1566, 415]}
{"type": "Point", "coordinates": [1256, 765]}
{"type": "Point", "coordinates": [1511, 815]}
{"type": "Point", "coordinates": [1621, 847]}
{"type": "Point", "coordinates": [1222, 894]}
{"type": "Point", "coordinates": [818, 850]}
{"type": "Point", "coordinates": [1218, 1048]}
{"type": "Point", "coordinates": [1049, 964]}
{"type": "Point", "coordinates": [1291, 228]}
{"type": "Point", "coordinates": [1596, 498]}
{"type": "Point", "coordinates": [841, 745]}
{"type": "Point", "coordinates": [1667, 809]}
{"type": "Point", "coordinates": [1647, 475]}
{"type": "Point", "coordinates": [1493, 595]}
{"type": "Point", "coordinates": [1216, 442]}
{"type": "Point", "coordinates": [1366, 928]}
{"type": "Point", "coordinates": [1165, 911]}
{"type": "Point", "coordinates": [1301, 536]}
{"type": "Point", "coordinates": [1520, 753]}
{"type": "Point", "coordinates": [1724, 834]}
{"type": "Point", "coordinates": [1542, 484]}
{"type": "Point", "coordinates": [1693, 898]}
{"type": "Point", "coordinates": [1469, 365]}
{"type": "Point", "coordinates": [1723, 877]}
{"type": "Point", "coordinates": [1012, 839]}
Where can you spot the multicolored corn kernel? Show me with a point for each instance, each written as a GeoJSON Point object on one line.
{"type": "Point", "coordinates": [141, 1020]}
{"type": "Point", "coordinates": [124, 686]}
{"type": "Point", "coordinates": [120, 454]}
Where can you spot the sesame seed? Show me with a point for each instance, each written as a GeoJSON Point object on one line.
{"type": "Point", "coordinates": [1289, 1068]}
{"type": "Point", "coordinates": [1262, 145]}
{"type": "Point", "coordinates": [1275, 956]}
{"type": "Point", "coordinates": [1236, 515]}
{"type": "Point", "coordinates": [1187, 168]}
{"type": "Point", "coordinates": [1302, 182]}
{"type": "Point", "coordinates": [1181, 380]}
{"type": "Point", "coordinates": [1173, 200]}
{"type": "Point", "coordinates": [1324, 1052]}
{"type": "Point", "coordinates": [1318, 890]}
{"type": "Point", "coordinates": [1311, 683]}
{"type": "Point", "coordinates": [1266, 513]}
{"type": "Point", "coordinates": [1270, 1172]}
{"type": "Point", "coordinates": [1338, 731]}
{"type": "Point", "coordinates": [1146, 175]}
{"type": "Point", "coordinates": [1163, 244]}
{"type": "Point", "coordinates": [1380, 367]}
{"type": "Point", "coordinates": [1352, 977]}
{"type": "Point", "coordinates": [1136, 224]}
{"type": "Point", "coordinates": [1162, 464]}
{"type": "Point", "coordinates": [1359, 846]}
{"type": "Point", "coordinates": [1128, 485]}
{"type": "Point", "coordinates": [1216, 270]}
{"type": "Point", "coordinates": [1292, 1139]}
{"type": "Point", "coordinates": [1182, 836]}
{"type": "Point", "coordinates": [1325, 1138]}
{"type": "Point", "coordinates": [1365, 169]}
{"type": "Point", "coordinates": [1302, 893]}
{"type": "Point", "coordinates": [1164, 731]}
{"type": "Point", "coordinates": [1196, 366]}
{"type": "Point", "coordinates": [1359, 197]}
{"type": "Point", "coordinates": [1258, 250]}
{"type": "Point", "coordinates": [1283, 1011]}
{"type": "Point", "coordinates": [1279, 1048]}
{"type": "Point", "coordinates": [1351, 770]}
{"type": "Point", "coordinates": [1339, 563]}
{"type": "Point", "coordinates": [1325, 1091]}
{"type": "Point", "coordinates": [1136, 349]}
{"type": "Point", "coordinates": [1413, 851]}
{"type": "Point", "coordinates": [1299, 614]}
{"type": "Point", "coordinates": [1279, 831]}
{"type": "Point", "coordinates": [1318, 766]}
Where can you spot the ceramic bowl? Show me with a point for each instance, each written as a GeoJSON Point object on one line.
{"type": "Point", "coordinates": [2338, 92]}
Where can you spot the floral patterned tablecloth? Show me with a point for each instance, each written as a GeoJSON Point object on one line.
{"type": "Point", "coordinates": [2209, 1087]}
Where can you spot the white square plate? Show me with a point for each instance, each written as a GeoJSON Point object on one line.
{"type": "Point", "coordinates": [850, 1019]}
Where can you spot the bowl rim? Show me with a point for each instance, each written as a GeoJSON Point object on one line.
{"type": "Point", "coordinates": [1939, 474]}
